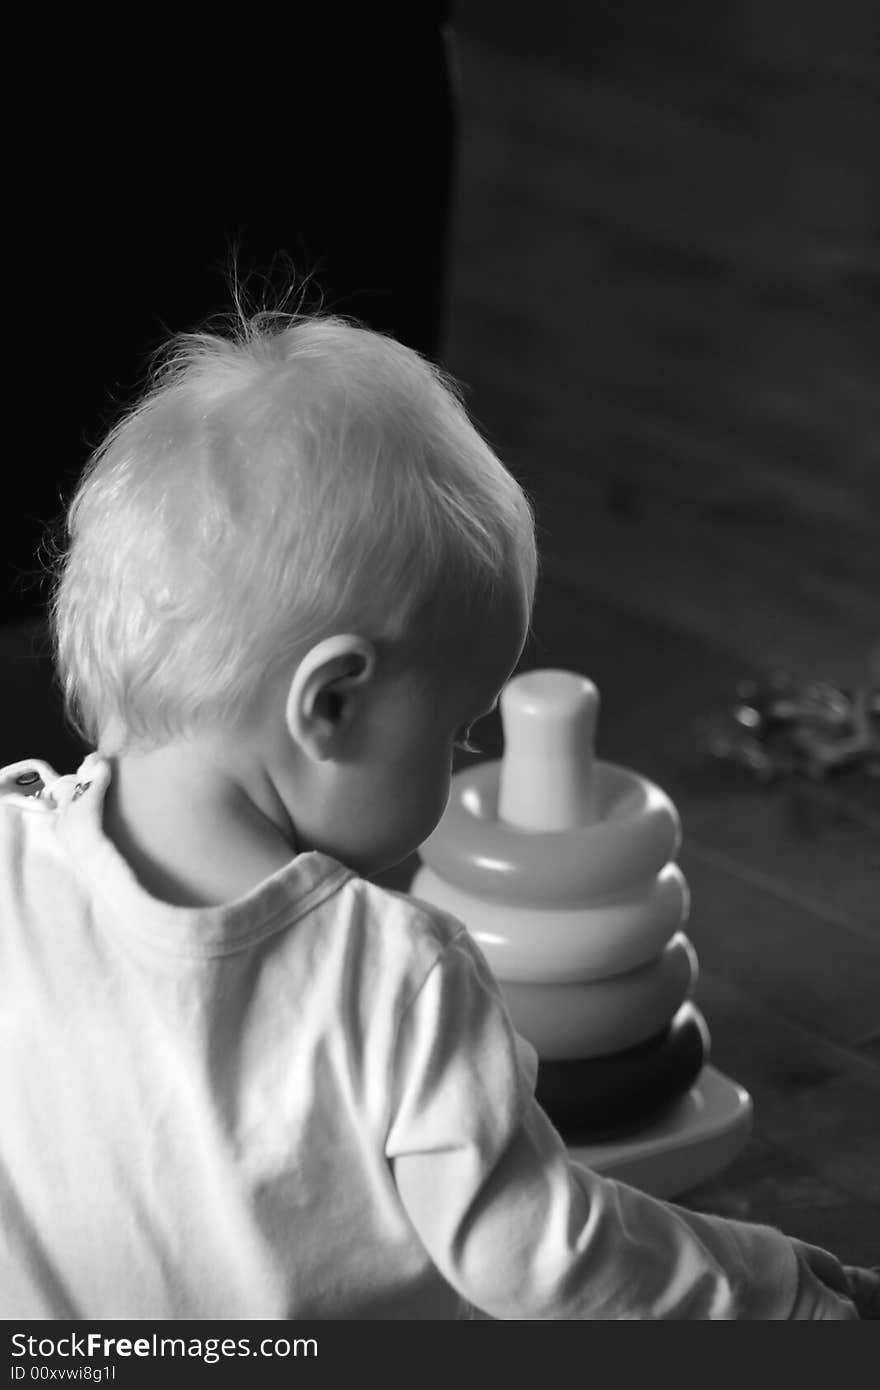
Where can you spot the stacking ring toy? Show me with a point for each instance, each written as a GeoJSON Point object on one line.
{"type": "Point", "coordinates": [639, 831]}
{"type": "Point", "coordinates": [562, 868]}
{"type": "Point", "coordinates": [589, 1101]}
{"type": "Point", "coordinates": [558, 945]}
{"type": "Point", "coordinates": [592, 1020]}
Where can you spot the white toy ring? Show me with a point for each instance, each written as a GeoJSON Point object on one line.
{"type": "Point", "coordinates": [638, 832]}
{"type": "Point", "coordinates": [561, 946]}
{"type": "Point", "coordinates": [604, 1016]}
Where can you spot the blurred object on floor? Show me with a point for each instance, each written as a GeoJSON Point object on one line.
{"type": "Point", "coordinates": [778, 729]}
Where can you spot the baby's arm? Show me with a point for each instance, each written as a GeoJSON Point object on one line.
{"type": "Point", "coordinates": [521, 1231]}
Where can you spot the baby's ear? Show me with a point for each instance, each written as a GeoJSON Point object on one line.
{"type": "Point", "coordinates": [324, 691]}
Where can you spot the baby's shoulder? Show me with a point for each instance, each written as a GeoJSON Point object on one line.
{"type": "Point", "coordinates": [24, 810]}
{"type": "Point", "coordinates": [406, 927]}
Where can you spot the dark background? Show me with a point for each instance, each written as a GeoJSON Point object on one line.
{"type": "Point", "coordinates": [662, 295]}
{"type": "Point", "coordinates": [151, 146]}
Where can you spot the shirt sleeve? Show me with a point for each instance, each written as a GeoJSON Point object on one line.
{"type": "Point", "coordinates": [511, 1222]}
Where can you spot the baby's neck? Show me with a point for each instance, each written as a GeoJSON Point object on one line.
{"type": "Point", "coordinates": [196, 830]}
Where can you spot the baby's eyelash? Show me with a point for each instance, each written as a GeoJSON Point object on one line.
{"type": "Point", "coordinates": [463, 742]}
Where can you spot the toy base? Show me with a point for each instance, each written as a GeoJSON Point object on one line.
{"type": "Point", "coordinates": [702, 1133]}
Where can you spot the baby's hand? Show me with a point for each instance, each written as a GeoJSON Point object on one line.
{"type": "Point", "coordinates": [864, 1290]}
{"type": "Point", "coordinates": [825, 1289]}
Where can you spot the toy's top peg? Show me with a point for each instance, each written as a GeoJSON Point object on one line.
{"type": "Point", "coordinates": [547, 779]}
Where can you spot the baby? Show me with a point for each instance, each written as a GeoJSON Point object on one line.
{"type": "Point", "coordinates": [238, 1079]}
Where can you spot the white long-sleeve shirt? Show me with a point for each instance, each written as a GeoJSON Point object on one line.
{"type": "Point", "coordinates": [309, 1103]}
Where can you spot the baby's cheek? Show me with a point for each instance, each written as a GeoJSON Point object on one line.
{"type": "Point", "coordinates": [428, 792]}
{"type": "Point", "coordinates": [441, 798]}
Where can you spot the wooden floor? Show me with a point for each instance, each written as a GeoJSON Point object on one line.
{"type": "Point", "coordinates": [665, 311]}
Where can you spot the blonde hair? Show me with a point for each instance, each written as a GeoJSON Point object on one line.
{"type": "Point", "coordinates": [294, 475]}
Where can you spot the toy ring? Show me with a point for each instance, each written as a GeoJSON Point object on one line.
{"type": "Point", "coordinates": [570, 1021]}
{"type": "Point", "coordinates": [593, 1100]}
{"type": "Point", "coordinates": [558, 945]}
{"type": "Point", "coordinates": [638, 832]}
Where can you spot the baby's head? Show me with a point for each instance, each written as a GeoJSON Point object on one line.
{"type": "Point", "coordinates": [298, 530]}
